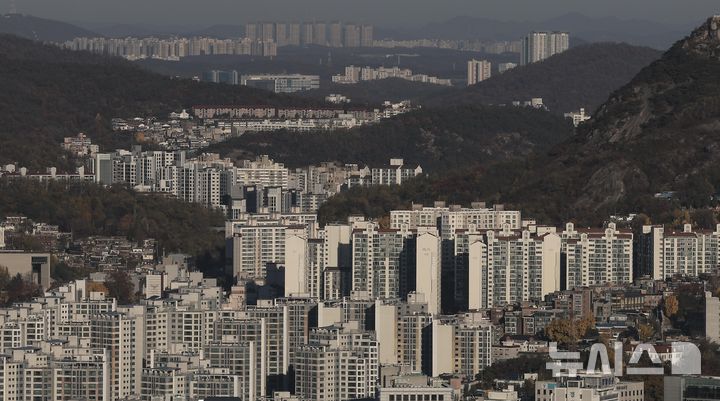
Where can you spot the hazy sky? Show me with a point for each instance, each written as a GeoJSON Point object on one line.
{"type": "Point", "coordinates": [384, 12]}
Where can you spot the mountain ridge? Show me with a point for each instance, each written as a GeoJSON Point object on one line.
{"type": "Point", "coordinates": [592, 29]}
{"type": "Point", "coordinates": [583, 76]}
{"type": "Point", "coordinates": [656, 134]}
{"type": "Point", "coordinates": [47, 93]}
{"type": "Point", "coordinates": [35, 28]}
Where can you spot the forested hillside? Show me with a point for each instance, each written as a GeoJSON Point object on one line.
{"type": "Point", "coordinates": [658, 133]}
{"type": "Point", "coordinates": [47, 93]}
{"type": "Point", "coordinates": [435, 139]}
{"type": "Point", "coordinates": [581, 77]}
{"type": "Point", "coordinates": [86, 209]}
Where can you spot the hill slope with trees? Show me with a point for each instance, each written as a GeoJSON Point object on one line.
{"type": "Point", "coordinates": [86, 209]}
{"type": "Point", "coordinates": [47, 93]}
{"type": "Point", "coordinates": [658, 133]}
{"type": "Point", "coordinates": [435, 139]}
{"type": "Point", "coordinates": [42, 29]}
{"type": "Point", "coordinates": [583, 76]}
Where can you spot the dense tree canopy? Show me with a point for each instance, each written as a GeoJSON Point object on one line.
{"type": "Point", "coordinates": [86, 209]}
{"type": "Point", "coordinates": [47, 93]}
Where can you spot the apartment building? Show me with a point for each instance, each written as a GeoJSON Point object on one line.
{"type": "Point", "coordinates": [281, 83]}
{"type": "Point", "coordinates": [338, 363]}
{"type": "Point", "coordinates": [589, 386]}
{"type": "Point", "coordinates": [538, 46]}
{"type": "Point", "coordinates": [461, 345]}
{"type": "Point", "coordinates": [478, 71]}
{"type": "Point", "coordinates": [250, 248]}
{"type": "Point", "coordinates": [121, 334]}
{"type": "Point", "coordinates": [449, 219]}
{"type": "Point", "coordinates": [264, 172]}
{"type": "Point", "coordinates": [406, 342]}
{"type": "Point", "coordinates": [664, 253]}
{"type": "Point", "coordinates": [508, 267]}
{"type": "Point", "coordinates": [596, 256]}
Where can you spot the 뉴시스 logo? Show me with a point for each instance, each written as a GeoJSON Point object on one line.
{"type": "Point", "coordinates": [684, 360]}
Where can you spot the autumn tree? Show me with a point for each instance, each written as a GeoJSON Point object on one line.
{"type": "Point", "coordinates": [562, 331]}
{"type": "Point", "coordinates": [585, 324]}
{"type": "Point", "coordinates": [645, 332]}
{"type": "Point", "coordinates": [120, 287]}
{"type": "Point", "coordinates": [670, 305]}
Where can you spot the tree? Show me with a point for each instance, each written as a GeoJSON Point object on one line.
{"type": "Point", "coordinates": [697, 191]}
{"type": "Point", "coordinates": [704, 218]}
{"type": "Point", "coordinates": [62, 273]}
{"type": "Point", "coordinates": [4, 278]}
{"type": "Point", "coordinates": [670, 306]}
{"type": "Point", "coordinates": [646, 332]}
{"type": "Point", "coordinates": [585, 324]}
{"type": "Point", "coordinates": [563, 331]}
{"type": "Point", "coordinates": [120, 287]}
{"type": "Point", "coordinates": [21, 290]}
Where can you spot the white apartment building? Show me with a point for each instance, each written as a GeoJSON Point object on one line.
{"type": "Point", "coordinates": [281, 83]}
{"type": "Point", "coordinates": [508, 267]}
{"type": "Point", "coordinates": [597, 256]}
{"type": "Point", "coordinates": [380, 262]}
{"type": "Point", "coordinates": [240, 359]}
{"type": "Point", "coordinates": [262, 171]}
{"type": "Point", "coordinates": [55, 372]}
{"type": "Point", "coordinates": [428, 260]}
{"type": "Point", "coordinates": [339, 363]}
{"type": "Point", "coordinates": [456, 259]}
{"type": "Point", "coordinates": [122, 335]}
{"type": "Point", "coordinates": [203, 180]}
{"type": "Point", "coordinates": [538, 46]}
{"type": "Point", "coordinates": [665, 253]}
{"type": "Point", "coordinates": [402, 343]}
{"type": "Point", "coordinates": [478, 71]}
{"type": "Point", "coordinates": [274, 326]}
{"type": "Point", "coordinates": [578, 117]}
{"type": "Point", "coordinates": [453, 218]}
{"type": "Point", "coordinates": [461, 345]}
{"type": "Point", "coordinates": [394, 174]}
{"type": "Point", "coordinates": [252, 247]}
{"type": "Point", "coordinates": [589, 386]}
{"type": "Point", "coordinates": [214, 383]}
{"type": "Point", "coordinates": [355, 74]}
{"type": "Point", "coordinates": [304, 264]}
{"type": "Point", "coordinates": [163, 382]}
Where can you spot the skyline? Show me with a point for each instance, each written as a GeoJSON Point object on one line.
{"type": "Point", "coordinates": [399, 13]}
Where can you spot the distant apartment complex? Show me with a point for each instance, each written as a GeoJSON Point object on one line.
{"type": "Point", "coordinates": [256, 186]}
{"type": "Point", "coordinates": [173, 48]}
{"type": "Point", "coordinates": [278, 83]}
{"type": "Point", "coordinates": [538, 46]}
{"type": "Point", "coordinates": [281, 83]}
{"type": "Point", "coordinates": [355, 74]}
{"type": "Point", "coordinates": [332, 34]}
{"type": "Point", "coordinates": [478, 71]}
{"type": "Point", "coordinates": [490, 47]}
